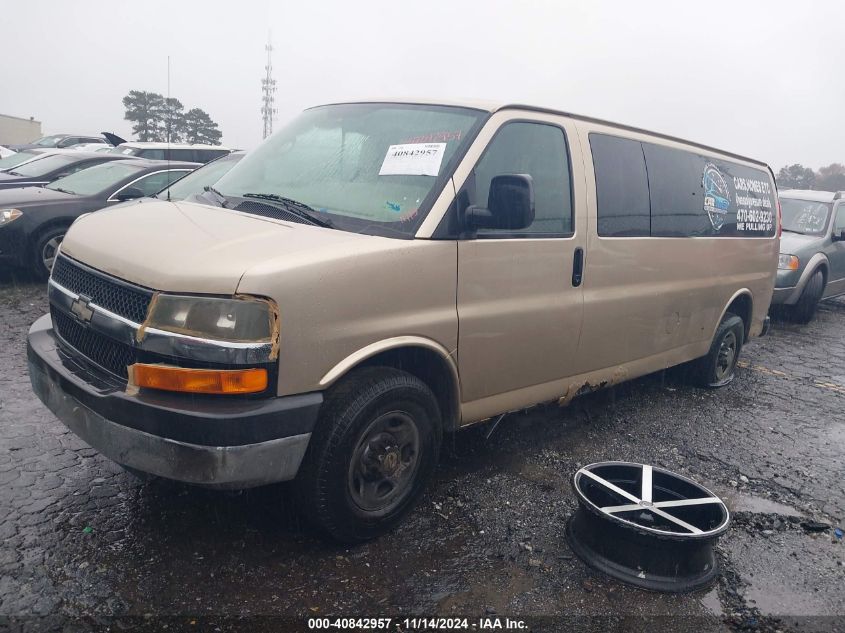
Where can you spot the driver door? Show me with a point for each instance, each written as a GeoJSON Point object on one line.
{"type": "Point", "coordinates": [519, 304]}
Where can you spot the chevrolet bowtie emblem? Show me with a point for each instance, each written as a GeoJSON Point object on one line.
{"type": "Point", "coordinates": [82, 310]}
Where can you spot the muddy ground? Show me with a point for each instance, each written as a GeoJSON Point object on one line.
{"type": "Point", "coordinates": [86, 546]}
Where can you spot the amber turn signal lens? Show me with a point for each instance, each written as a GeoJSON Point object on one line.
{"type": "Point", "coordinates": [219, 381]}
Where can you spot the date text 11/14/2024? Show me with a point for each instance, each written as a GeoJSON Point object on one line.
{"type": "Point", "coordinates": [487, 623]}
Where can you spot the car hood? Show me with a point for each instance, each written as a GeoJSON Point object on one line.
{"type": "Point", "coordinates": [34, 196]}
{"type": "Point", "coordinates": [188, 247]}
{"type": "Point", "coordinates": [792, 243]}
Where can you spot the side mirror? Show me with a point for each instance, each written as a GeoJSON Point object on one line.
{"type": "Point", "coordinates": [510, 205]}
{"type": "Point", "coordinates": [840, 237]}
{"type": "Point", "coordinates": [129, 194]}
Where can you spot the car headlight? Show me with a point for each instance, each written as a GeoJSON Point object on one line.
{"type": "Point", "coordinates": [9, 215]}
{"type": "Point", "coordinates": [245, 319]}
{"type": "Point", "coordinates": [788, 262]}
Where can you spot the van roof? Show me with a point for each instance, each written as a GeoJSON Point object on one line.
{"type": "Point", "coordinates": [158, 145]}
{"type": "Point", "coordinates": [491, 106]}
{"type": "Point", "coordinates": [808, 194]}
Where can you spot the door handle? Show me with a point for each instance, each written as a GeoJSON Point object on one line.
{"type": "Point", "coordinates": [577, 266]}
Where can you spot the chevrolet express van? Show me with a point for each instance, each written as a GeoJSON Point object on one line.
{"type": "Point", "coordinates": [376, 275]}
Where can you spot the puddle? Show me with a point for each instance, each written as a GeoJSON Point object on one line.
{"type": "Point", "coordinates": [741, 502]}
{"type": "Point", "coordinates": [711, 602]}
{"type": "Point", "coordinates": [778, 599]}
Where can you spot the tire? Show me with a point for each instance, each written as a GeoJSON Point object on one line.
{"type": "Point", "coordinates": [716, 369]}
{"type": "Point", "coordinates": [44, 250]}
{"type": "Point", "coordinates": [805, 308]}
{"type": "Point", "coordinates": [375, 445]}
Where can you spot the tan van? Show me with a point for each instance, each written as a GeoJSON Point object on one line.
{"type": "Point", "coordinates": [375, 275]}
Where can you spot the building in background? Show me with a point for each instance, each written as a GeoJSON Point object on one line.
{"type": "Point", "coordinates": [14, 130]}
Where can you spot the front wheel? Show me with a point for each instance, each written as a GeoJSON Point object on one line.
{"type": "Point", "coordinates": [44, 251]}
{"type": "Point", "coordinates": [805, 309]}
{"type": "Point", "coordinates": [716, 369]}
{"type": "Point", "coordinates": [371, 454]}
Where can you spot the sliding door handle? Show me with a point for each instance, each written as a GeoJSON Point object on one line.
{"type": "Point", "coordinates": [577, 266]}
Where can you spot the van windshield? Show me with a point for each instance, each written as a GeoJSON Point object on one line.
{"type": "Point", "coordinates": [368, 168]}
{"type": "Point", "coordinates": [804, 216]}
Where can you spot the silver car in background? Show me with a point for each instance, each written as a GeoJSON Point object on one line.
{"type": "Point", "coordinates": [811, 266]}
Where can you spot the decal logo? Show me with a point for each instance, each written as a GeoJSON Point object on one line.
{"type": "Point", "coordinates": [716, 195]}
{"type": "Point", "coordinates": [82, 310]}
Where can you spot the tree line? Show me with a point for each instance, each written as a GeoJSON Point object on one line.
{"type": "Point", "coordinates": [830, 178]}
{"type": "Point", "coordinates": [164, 119]}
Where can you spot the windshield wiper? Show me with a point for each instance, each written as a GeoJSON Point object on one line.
{"type": "Point", "coordinates": [62, 190]}
{"type": "Point", "coordinates": [783, 228]}
{"type": "Point", "coordinates": [14, 173]}
{"type": "Point", "coordinates": [294, 206]}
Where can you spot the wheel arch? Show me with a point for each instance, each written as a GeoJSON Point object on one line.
{"type": "Point", "coordinates": [424, 358]}
{"type": "Point", "coordinates": [37, 232]}
{"type": "Point", "coordinates": [742, 305]}
{"type": "Point", "coordinates": [818, 261]}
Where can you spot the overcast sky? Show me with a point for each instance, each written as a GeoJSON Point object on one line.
{"type": "Point", "coordinates": [763, 79]}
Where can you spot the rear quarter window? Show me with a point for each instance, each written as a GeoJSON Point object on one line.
{"type": "Point", "coordinates": [645, 189]}
{"type": "Point", "coordinates": [699, 196]}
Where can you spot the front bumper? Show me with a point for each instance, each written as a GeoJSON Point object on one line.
{"type": "Point", "coordinates": [213, 441]}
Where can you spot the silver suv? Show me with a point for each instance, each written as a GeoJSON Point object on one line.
{"type": "Point", "coordinates": [811, 266]}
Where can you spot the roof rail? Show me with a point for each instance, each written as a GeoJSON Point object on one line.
{"type": "Point", "coordinates": [838, 195]}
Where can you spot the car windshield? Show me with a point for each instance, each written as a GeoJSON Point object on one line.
{"type": "Point", "coordinates": [99, 178]}
{"type": "Point", "coordinates": [48, 141]}
{"type": "Point", "coordinates": [16, 159]}
{"type": "Point", "coordinates": [369, 168]}
{"type": "Point", "coordinates": [120, 149]}
{"type": "Point", "coordinates": [197, 180]}
{"type": "Point", "coordinates": [42, 166]}
{"type": "Point", "coordinates": [804, 216]}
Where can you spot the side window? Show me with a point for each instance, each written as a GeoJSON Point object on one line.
{"type": "Point", "coordinates": [539, 150]}
{"type": "Point", "coordinates": [622, 196]}
{"type": "Point", "coordinates": [154, 183]}
{"type": "Point", "coordinates": [153, 154]}
{"type": "Point", "coordinates": [839, 223]}
{"type": "Point", "coordinates": [182, 154]}
{"type": "Point", "coordinates": [677, 192]}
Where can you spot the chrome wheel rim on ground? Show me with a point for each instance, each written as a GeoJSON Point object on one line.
{"type": "Point", "coordinates": [384, 463]}
{"type": "Point", "coordinates": [646, 526]}
{"type": "Point", "coordinates": [726, 357]}
{"type": "Point", "coordinates": [48, 252]}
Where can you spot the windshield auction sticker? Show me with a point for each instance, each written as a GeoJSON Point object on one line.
{"type": "Point", "coordinates": [413, 159]}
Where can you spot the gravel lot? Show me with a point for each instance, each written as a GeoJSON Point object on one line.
{"type": "Point", "coordinates": [85, 544]}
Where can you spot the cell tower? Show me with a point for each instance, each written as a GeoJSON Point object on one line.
{"type": "Point", "coordinates": [268, 88]}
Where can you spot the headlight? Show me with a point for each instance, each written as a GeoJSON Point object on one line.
{"type": "Point", "coordinates": [9, 215]}
{"type": "Point", "coordinates": [788, 262]}
{"type": "Point", "coordinates": [242, 320]}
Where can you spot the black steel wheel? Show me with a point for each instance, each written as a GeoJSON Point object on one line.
{"type": "Point", "coordinates": [371, 454]}
{"type": "Point", "coordinates": [716, 369]}
{"type": "Point", "coordinates": [384, 462]}
{"type": "Point", "coordinates": [646, 526]}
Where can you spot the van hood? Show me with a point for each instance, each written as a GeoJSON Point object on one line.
{"type": "Point", "coordinates": [792, 243]}
{"type": "Point", "coordinates": [194, 248]}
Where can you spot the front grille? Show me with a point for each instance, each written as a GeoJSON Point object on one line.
{"type": "Point", "coordinates": [269, 211]}
{"type": "Point", "coordinates": [105, 352]}
{"type": "Point", "coordinates": [130, 302]}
